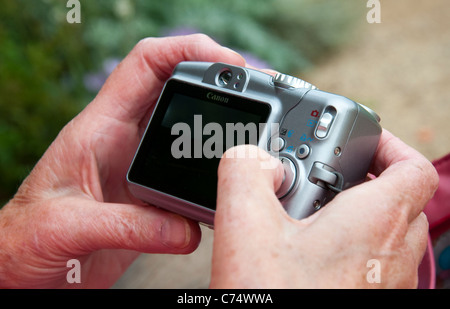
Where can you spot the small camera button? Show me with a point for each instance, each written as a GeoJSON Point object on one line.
{"type": "Point", "coordinates": [303, 151]}
{"type": "Point", "coordinates": [277, 144]}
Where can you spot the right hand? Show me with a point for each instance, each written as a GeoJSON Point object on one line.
{"type": "Point", "coordinates": [257, 245]}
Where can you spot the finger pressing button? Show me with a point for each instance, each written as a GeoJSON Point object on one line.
{"type": "Point", "coordinates": [290, 174]}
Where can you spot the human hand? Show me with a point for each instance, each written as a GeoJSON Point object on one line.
{"type": "Point", "coordinates": [257, 245]}
{"type": "Point", "coordinates": [75, 203]}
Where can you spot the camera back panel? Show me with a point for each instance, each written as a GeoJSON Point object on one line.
{"type": "Point", "coordinates": [325, 141]}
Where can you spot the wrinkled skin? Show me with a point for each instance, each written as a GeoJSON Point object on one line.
{"type": "Point", "coordinates": [75, 203]}
{"type": "Point", "coordinates": [258, 246]}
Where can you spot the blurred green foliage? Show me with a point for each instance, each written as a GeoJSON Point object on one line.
{"type": "Point", "coordinates": [287, 34]}
{"type": "Point", "coordinates": [44, 60]}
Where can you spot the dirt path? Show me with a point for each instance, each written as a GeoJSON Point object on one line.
{"type": "Point", "coordinates": [400, 68]}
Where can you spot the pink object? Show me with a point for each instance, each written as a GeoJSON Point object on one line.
{"type": "Point", "coordinates": [438, 209]}
{"type": "Point", "coordinates": [438, 213]}
{"type": "Point", "coordinates": [427, 269]}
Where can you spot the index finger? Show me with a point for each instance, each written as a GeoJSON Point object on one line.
{"type": "Point", "coordinates": [135, 85]}
{"type": "Point", "coordinates": [391, 150]}
{"type": "Point", "coordinates": [405, 181]}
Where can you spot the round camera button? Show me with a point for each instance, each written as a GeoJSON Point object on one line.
{"type": "Point", "coordinates": [303, 151]}
{"type": "Point", "coordinates": [277, 144]}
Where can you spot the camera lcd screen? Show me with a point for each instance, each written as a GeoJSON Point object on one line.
{"type": "Point", "coordinates": [189, 131]}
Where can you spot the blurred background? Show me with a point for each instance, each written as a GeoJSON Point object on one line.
{"type": "Point", "coordinates": [51, 69]}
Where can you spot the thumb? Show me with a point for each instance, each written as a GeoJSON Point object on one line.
{"type": "Point", "coordinates": [248, 178]}
{"type": "Point", "coordinates": [140, 228]}
{"type": "Point", "coordinates": [246, 207]}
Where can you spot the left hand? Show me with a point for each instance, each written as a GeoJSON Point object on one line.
{"type": "Point", "coordinates": [75, 204]}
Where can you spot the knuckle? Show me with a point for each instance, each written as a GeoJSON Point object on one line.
{"type": "Point", "coordinates": [200, 37]}
{"type": "Point", "coordinates": [142, 43]}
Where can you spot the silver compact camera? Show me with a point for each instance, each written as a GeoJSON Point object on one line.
{"type": "Point", "coordinates": [326, 142]}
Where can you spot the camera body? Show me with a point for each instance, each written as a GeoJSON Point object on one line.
{"type": "Point", "coordinates": [325, 141]}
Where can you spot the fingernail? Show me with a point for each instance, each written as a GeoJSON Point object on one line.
{"type": "Point", "coordinates": [269, 162]}
{"type": "Point", "coordinates": [175, 232]}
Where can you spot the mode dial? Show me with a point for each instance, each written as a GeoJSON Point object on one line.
{"type": "Point", "coordinates": [287, 81]}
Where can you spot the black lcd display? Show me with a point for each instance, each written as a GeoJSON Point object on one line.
{"type": "Point", "coordinates": [181, 149]}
